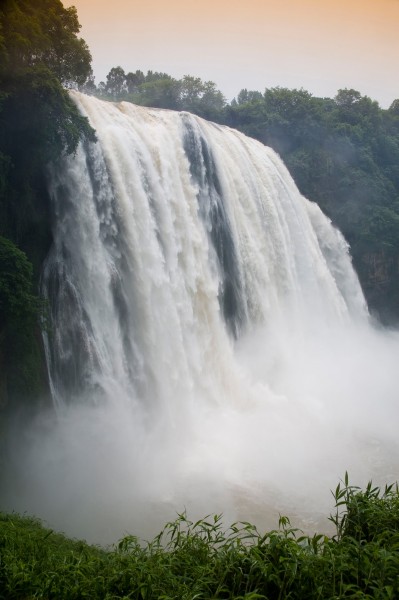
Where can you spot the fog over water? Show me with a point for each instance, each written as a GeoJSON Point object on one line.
{"type": "Point", "coordinates": [210, 348]}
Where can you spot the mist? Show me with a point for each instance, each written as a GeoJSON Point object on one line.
{"type": "Point", "coordinates": [326, 406]}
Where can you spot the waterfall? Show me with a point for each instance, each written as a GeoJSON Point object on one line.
{"type": "Point", "coordinates": [173, 238]}
{"type": "Point", "coordinates": [209, 345]}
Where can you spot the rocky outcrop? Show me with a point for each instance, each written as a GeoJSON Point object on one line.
{"type": "Point", "coordinates": [379, 276]}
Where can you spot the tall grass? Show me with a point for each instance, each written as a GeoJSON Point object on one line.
{"type": "Point", "coordinates": [202, 560]}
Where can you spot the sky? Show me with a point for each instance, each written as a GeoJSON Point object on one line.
{"type": "Point", "coordinates": [319, 45]}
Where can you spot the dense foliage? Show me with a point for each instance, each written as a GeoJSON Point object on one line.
{"type": "Point", "coordinates": [38, 121]}
{"type": "Point", "coordinates": [40, 55]}
{"type": "Point", "coordinates": [160, 90]}
{"type": "Point", "coordinates": [201, 560]}
{"type": "Point", "coordinates": [19, 311]}
{"type": "Point", "coordinates": [343, 153]}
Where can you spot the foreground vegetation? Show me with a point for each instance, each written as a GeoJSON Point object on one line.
{"type": "Point", "coordinates": [202, 561]}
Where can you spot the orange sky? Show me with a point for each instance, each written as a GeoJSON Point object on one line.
{"type": "Point", "coordinates": [321, 45]}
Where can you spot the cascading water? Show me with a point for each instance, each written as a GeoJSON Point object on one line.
{"type": "Point", "coordinates": [210, 346]}
{"type": "Point", "coordinates": [172, 235]}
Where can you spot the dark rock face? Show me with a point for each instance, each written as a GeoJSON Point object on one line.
{"type": "Point", "coordinates": [379, 276]}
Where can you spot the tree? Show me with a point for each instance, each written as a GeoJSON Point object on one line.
{"type": "Point", "coordinates": [246, 96]}
{"type": "Point", "coordinates": [18, 305]}
{"type": "Point", "coordinates": [159, 93]}
{"type": "Point", "coordinates": [202, 98]}
{"type": "Point", "coordinates": [115, 86]}
{"type": "Point", "coordinates": [41, 55]}
{"type": "Point", "coordinates": [212, 101]}
{"type": "Point", "coordinates": [19, 311]}
{"type": "Point", "coordinates": [355, 109]}
{"type": "Point", "coordinates": [133, 80]}
{"type": "Point", "coordinates": [394, 108]}
{"type": "Point", "coordinates": [38, 120]}
{"type": "Point", "coordinates": [346, 97]}
{"type": "Point", "coordinates": [44, 33]}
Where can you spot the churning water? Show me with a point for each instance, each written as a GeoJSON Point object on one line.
{"type": "Point", "coordinates": [210, 347]}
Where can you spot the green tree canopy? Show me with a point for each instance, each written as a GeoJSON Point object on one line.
{"type": "Point", "coordinates": [20, 308]}
{"type": "Point", "coordinates": [160, 90]}
{"type": "Point", "coordinates": [41, 54]}
{"type": "Point", "coordinates": [43, 33]}
{"type": "Point", "coordinates": [116, 83]}
{"type": "Point", "coordinates": [394, 108]}
{"type": "Point", "coordinates": [18, 305]}
{"type": "Point", "coordinates": [245, 96]}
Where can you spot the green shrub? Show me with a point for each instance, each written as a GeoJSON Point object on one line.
{"type": "Point", "coordinates": [203, 560]}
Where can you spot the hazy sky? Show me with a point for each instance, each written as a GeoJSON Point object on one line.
{"type": "Point", "coordinates": [320, 45]}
